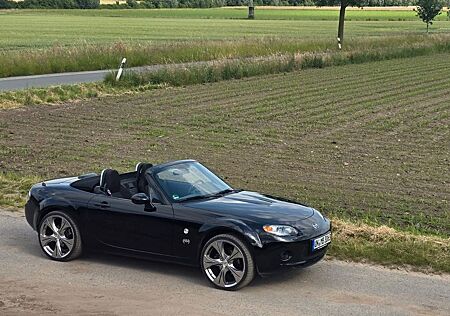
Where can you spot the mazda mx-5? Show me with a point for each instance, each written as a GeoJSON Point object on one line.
{"type": "Point", "coordinates": [177, 212]}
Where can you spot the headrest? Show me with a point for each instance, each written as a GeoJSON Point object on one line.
{"type": "Point", "coordinates": [110, 181]}
{"type": "Point", "coordinates": [141, 181]}
{"type": "Point", "coordinates": [142, 167]}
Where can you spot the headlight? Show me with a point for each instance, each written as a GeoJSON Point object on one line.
{"type": "Point", "coordinates": [280, 230]}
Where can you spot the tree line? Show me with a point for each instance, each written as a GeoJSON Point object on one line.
{"type": "Point", "coordinates": [155, 4]}
{"type": "Point", "coordinates": [50, 4]}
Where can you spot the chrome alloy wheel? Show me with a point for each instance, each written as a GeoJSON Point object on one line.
{"type": "Point", "coordinates": [56, 236]}
{"type": "Point", "coordinates": [224, 263]}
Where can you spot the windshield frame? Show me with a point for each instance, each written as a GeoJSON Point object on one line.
{"type": "Point", "coordinates": [160, 168]}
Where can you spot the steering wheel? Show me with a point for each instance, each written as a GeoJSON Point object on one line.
{"type": "Point", "coordinates": [193, 188]}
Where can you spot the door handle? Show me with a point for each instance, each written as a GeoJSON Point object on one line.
{"type": "Point", "coordinates": [103, 204]}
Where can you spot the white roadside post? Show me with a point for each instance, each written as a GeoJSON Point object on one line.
{"type": "Point", "coordinates": [120, 71]}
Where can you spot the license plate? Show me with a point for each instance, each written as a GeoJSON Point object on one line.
{"type": "Point", "coordinates": [321, 241]}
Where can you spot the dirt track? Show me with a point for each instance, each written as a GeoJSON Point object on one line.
{"type": "Point", "coordinates": [30, 284]}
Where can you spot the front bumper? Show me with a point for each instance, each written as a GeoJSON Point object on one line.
{"type": "Point", "coordinates": [31, 212]}
{"type": "Point", "coordinates": [279, 256]}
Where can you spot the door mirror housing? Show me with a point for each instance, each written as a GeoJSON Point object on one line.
{"type": "Point", "coordinates": [143, 199]}
{"type": "Point", "coordinates": [140, 198]}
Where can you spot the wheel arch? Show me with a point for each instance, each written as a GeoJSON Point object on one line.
{"type": "Point", "coordinates": [50, 205]}
{"type": "Point", "coordinates": [234, 227]}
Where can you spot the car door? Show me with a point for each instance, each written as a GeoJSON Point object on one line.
{"type": "Point", "coordinates": [187, 238]}
{"type": "Point", "coordinates": [123, 225]}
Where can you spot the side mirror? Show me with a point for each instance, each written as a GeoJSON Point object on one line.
{"type": "Point", "coordinates": [140, 198]}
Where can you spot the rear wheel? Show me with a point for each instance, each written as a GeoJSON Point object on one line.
{"type": "Point", "coordinates": [227, 262]}
{"type": "Point", "coordinates": [59, 236]}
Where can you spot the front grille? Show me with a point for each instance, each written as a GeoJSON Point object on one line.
{"type": "Point", "coordinates": [273, 256]}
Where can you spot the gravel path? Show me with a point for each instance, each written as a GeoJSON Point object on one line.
{"type": "Point", "coordinates": [30, 284]}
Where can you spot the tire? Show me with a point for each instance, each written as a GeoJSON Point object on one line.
{"type": "Point", "coordinates": [69, 239]}
{"type": "Point", "coordinates": [227, 262]}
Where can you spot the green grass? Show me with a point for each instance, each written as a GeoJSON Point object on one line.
{"type": "Point", "coordinates": [64, 93]}
{"type": "Point", "coordinates": [384, 245]}
{"type": "Point", "coordinates": [241, 13]}
{"type": "Point", "coordinates": [237, 69]}
{"type": "Point", "coordinates": [14, 188]}
{"type": "Point", "coordinates": [91, 57]}
{"type": "Point", "coordinates": [44, 28]}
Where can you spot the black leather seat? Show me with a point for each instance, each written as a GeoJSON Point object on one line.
{"type": "Point", "coordinates": [110, 184]}
{"type": "Point", "coordinates": [141, 180]}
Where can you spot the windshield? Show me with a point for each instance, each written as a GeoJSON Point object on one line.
{"type": "Point", "coordinates": [190, 180]}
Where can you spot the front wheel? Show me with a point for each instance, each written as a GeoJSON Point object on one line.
{"type": "Point", "coordinates": [227, 262]}
{"type": "Point", "coordinates": [59, 236]}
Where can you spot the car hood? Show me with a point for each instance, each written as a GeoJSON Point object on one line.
{"type": "Point", "coordinates": [256, 207]}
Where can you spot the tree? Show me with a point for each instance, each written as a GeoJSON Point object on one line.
{"type": "Point", "coordinates": [427, 10]}
{"type": "Point", "coordinates": [251, 9]}
{"type": "Point", "coordinates": [6, 4]}
{"type": "Point", "coordinates": [343, 4]}
{"type": "Point", "coordinates": [132, 4]}
{"type": "Point", "coordinates": [87, 4]}
{"type": "Point", "coordinates": [448, 11]}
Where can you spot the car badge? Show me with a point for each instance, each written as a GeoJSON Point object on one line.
{"type": "Point", "coordinates": [315, 226]}
{"type": "Point", "coordinates": [186, 241]}
{"type": "Point", "coordinates": [186, 231]}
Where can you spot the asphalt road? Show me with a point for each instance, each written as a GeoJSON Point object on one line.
{"type": "Point", "coordinates": [40, 81]}
{"type": "Point", "coordinates": [30, 284]}
{"type": "Point", "coordinates": [67, 78]}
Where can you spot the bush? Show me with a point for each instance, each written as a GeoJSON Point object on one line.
{"type": "Point", "coordinates": [87, 4]}
{"type": "Point", "coordinates": [6, 4]}
{"type": "Point", "coordinates": [57, 4]}
{"type": "Point", "coordinates": [47, 4]}
{"type": "Point", "coordinates": [117, 6]}
{"type": "Point", "coordinates": [159, 4]}
{"type": "Point", "coordinates": [132, 4]}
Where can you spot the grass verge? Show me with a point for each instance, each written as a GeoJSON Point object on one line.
{"type": "Point", "coordinates": [387, 246]}
{"type": "Point", "coordinates": [64, 93]}
{"type": "Point", "coordinates": [14, 189]}
{"type": "Point", "coordinates": [237, 69]}
{"type": "Point", "coordinates": [86, 56]}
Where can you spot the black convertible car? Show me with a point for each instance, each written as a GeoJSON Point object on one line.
{"type": "Point", "coordinates": [180, 212]}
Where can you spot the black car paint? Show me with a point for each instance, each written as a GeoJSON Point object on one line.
{"type": "Point", "coordinates": [177, 231]}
